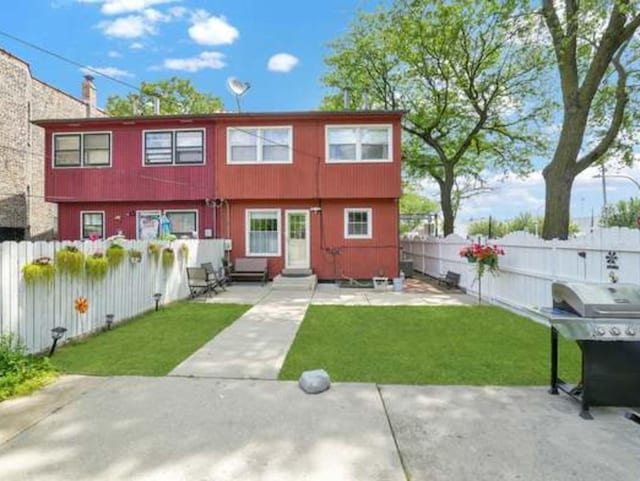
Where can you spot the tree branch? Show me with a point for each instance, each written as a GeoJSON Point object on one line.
{"type": "Point", "coordinates": [616, 121]}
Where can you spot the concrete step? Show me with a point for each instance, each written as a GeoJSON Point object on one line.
{"type": "Point", "coordinates": [307, 283]}
{"type": "Point", "coordinates": [296, 272]}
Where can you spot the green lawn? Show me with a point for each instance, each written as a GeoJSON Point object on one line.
{"type": "Point", "coordinates": [151, 344]}
{"type": "Point", "coordinates": [474, 345]}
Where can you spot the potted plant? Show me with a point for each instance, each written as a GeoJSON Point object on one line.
{"type": "Point", "coordinates": [485, 257]}
{"type": "Point", "coordinates": [41, 269]}
{"type": "Point", "coordinates": [97, 266]}
{"type": "Point", "coordinates": [168, 257]}
{"type": "Point", "coordinates": [69, 260]}
{"type": "Point", "coordinates": [135, 256]}
{"type": "Point", "coordinates": [154, 251]}
{"type": "Point", "coordinates": [115, 254]}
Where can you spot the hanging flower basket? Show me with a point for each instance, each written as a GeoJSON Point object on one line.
{"type": "Point", "coordinates": [97, 266]}
{"type": "Point", "coordinates": [485, 257]}
{"type": "Point", "coordinates": [135, 256]}
{"type": "Point", "coordinates": [40, 270]}
{"type": "Point", "coordinates": [70, 260]}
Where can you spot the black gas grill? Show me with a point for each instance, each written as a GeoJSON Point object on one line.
{"type": "Point", "coordinates": [604, 319]}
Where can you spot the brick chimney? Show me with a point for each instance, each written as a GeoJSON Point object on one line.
{"type": "Point", "coordinates": [89, 95]}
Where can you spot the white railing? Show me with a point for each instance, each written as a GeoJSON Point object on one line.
{"type": "Point", "coordinates": [532, 264]}
{"type": "Point", "coordinates": [32, 310]}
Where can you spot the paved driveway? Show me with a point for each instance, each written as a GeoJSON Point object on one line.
{"type": "Point", "coordinates": [143, 429]}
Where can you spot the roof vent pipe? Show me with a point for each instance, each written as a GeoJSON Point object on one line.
{"type": "Point", "coordinates": [156, 105]}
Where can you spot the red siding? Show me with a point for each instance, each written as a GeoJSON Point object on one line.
{"type": "Point", "coordinates": [69, 216]}
{"type": "Point", "coordinates": [127, 178]}
{"type": "Point", "coordinates": [332, 256]}
{"type": "Point", "coordinates": [309, 176]}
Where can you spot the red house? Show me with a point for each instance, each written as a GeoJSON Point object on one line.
{"type": "Point", "coordinates": [308, 190]}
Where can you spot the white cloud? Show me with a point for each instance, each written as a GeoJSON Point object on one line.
{"type": "Point", "coordinates": [177, 12]}
{"type": "Point", "coordinates": [134, 26]}
{"type": "Point", "coordinates": [208, 29]}
{"type": "Point", "coordinates": [109, 71]}
{"type": "Point", "coordinates": [118, 7]}
{"type": "Point", "coordinates": [136, 46]}
{"type": "Point", "coordinates": [206, 60]}
{"type": "Point", "coordinates": [114, 54]}
{"type": "Point", "coordinates": [282, 62]}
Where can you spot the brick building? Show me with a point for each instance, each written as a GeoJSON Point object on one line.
{"type": "Point", "coordinates": [24, 214]}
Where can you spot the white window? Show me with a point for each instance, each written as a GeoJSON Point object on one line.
{"type": "Point", "coordinates": [263, 232]}
{"type": "Point", "coordinates": [92, 225]}
{"type": "Point", "coordinates": [183, 222]}
{"type": "Point", "coordinates": [358, 224]}
{"type": "Point", "coordinates": [167, 147]}
{"type": "Point", "coordinates": [252, 145]}
{"type": "Point", "coordinates": [91, 149]}
{"type": "Point", "coordinates": [371, 143]}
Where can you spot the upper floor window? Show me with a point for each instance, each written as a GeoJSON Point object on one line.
{"type": "Point", "coordinates": [370, 143]}
{"type": "Point", "coordinates": [166, 147]}
{"type": "Point", "coordinates": [91, 149]}
{"type": "Point", "coordinates": [252, 145]}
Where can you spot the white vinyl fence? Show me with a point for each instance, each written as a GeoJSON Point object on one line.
{"type": "Point", "coordinates": [531, 264]}
{"type": "Point", "coordinates": [31, 311]}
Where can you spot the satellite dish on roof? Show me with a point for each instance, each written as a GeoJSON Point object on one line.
{"type": "Point", "coordinates": [238, 88]}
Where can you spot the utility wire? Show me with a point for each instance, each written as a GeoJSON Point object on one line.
{"type": "Point", "coordinates": [85, 67]}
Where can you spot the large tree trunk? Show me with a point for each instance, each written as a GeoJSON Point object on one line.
{"type": "Point", "coordinates": [560, 173]}
{"type": "Point", "coordinates": [557, 214]}
{"type": "Point", "coordinates": [448, 212]}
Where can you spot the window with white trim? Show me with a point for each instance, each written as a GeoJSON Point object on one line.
{"type": "Point", "coordinates": [263, 232]}
{"type": "Point", "coordinates": [92, 225]}
{"type": "Point", "coordinates": [253, 145]}
{"type": "Point", "coordinates": [183, 222]}
{"type": "Point", "coordinates": [167, 147]}
{"type": "Point", "coordinates": [91, 149]}
{"type": "Point", "coordinates": [358, 223]}
{"type": "Point", "coordinates": [359, 143]}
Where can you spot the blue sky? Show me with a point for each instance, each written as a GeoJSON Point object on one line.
{"type": "Point", "coordinates": [208, 42]}
{"type": "Point", "coordinates": [205, 41]}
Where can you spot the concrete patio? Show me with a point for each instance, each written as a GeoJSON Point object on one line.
{"type": "Point", "coordinates": [143, 429]}
{"type": "Point", "coordinates": [417, 293]}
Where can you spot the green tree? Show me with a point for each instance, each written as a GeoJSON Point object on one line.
{"type": "Point", "coordinates": [459, 71]}
{"type": "Point", "coordinates": [525, 221]}
{"type": "Point", "coordinates": [481, 227]}
{"type": "Point", "coordinates": [596, 53]}
{"type": "Point", "coordinates": [414, 204]}
{"type": "Point", "coordinates": [623, 214]}
{"type": "Point", "coordinates": [177, 96]}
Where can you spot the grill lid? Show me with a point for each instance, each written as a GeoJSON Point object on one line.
{"type": "Point", "coordinates": [597, 300]}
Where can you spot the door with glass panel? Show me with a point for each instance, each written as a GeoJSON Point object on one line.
{"type": "Point", "coordinates": [297, 255]}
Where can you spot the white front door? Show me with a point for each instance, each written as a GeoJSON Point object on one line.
{"type": "Point", "coordinates": [297, 252]}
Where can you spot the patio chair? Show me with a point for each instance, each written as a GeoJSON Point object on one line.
{"type": "Point", "coordinates": [213, 276]}
{"type": "Point", "coordinates": [199, 282]}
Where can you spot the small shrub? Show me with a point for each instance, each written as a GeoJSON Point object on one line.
{"type": "Point", "coordinates": [168, 257]}
{"type": "Point", "coordinates": [97, 266]}
{"type": "Point", "coordinates": [20, 372]}
{"type": "Point", "coordinates": [69, 260]}
{"type": "Point", "coordinates": [40, 270]}
{"type": "Point", "coordinates": [115, 255]}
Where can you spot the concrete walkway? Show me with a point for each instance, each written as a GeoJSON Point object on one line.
{"type": "Point", "coordinates": [255, 345]}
